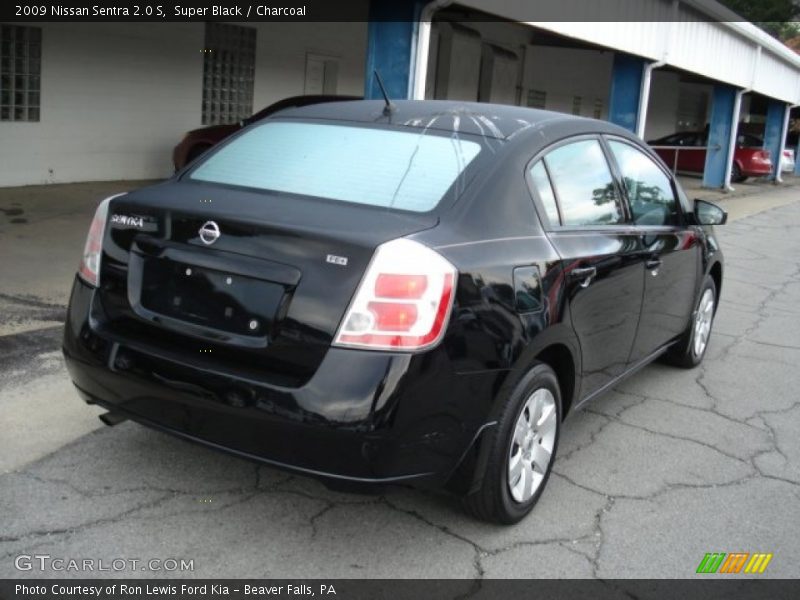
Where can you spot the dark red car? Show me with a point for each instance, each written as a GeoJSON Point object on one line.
{"type": "Point", "coordinates": [686, 151]}
{"type": "Point", "coordinates": [197, 141]}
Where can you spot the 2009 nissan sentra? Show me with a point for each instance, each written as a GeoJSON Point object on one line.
{"type": "Point", "coordinates": [416, 293]}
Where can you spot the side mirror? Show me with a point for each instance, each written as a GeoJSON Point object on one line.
{"type": "Point", "coordinates": [708, 213]}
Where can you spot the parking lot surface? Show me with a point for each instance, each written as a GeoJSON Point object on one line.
{"type": "Point", "coordinates": [668, 466]}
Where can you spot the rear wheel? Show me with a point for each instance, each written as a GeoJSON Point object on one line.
{"type": "Point", "coordinates": [523, 446]}
{"type": "Point", "coordinates": [691, 349]}
{"type": "Point", "coordinates": [736, 174]}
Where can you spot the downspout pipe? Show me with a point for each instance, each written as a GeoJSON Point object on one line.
{"type": "Point", "coordinates": [784, 131]}
{"type": "Point", "coordinates": [737, 107]}
{"type": "Point", "coordinates": [422, 49]}
{"type": "Point", "coordinates": [644, 95]}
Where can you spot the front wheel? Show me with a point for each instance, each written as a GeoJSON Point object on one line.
{"type": "Point", "coordinates": [691, 348]}
{"type": "Point", "coordinates": [523, 446]}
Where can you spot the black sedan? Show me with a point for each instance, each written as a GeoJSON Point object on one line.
{"type": "Point", "coordinates": [414, 293]}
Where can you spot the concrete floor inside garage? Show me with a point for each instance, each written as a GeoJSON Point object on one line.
{"type": "Point", "coordinates": [669, 465]}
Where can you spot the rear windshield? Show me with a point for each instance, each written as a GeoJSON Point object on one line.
{"type": "Point", "coordinates": [380, 167]}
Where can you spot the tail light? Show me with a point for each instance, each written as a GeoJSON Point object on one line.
{"type": "Point", "coordinates": [403, 301]}
{"type": "Point", "coordinates": [89, 269]}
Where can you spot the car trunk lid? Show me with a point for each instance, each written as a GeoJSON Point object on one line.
{"type": "Point", "coordinates": [265, 294]}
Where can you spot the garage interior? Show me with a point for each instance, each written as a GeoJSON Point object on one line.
{"type": "Point", "coordinates": [474, 56]}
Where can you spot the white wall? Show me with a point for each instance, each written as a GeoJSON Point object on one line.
{"type": "Point", "coordinates": [281, 57]}
{"type": "Point", "coordinates": [567, 72]}
{"type": "Point", "coordinates": [458, 66]}
{"type": "Point", "coordinates": [116, 98]}
{"type": "Point", "coordinates": [662, 113]}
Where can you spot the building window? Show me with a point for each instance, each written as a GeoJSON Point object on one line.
{"type": "Point", "coordinates": [228, 73]}
{"type": "Point", "coordinates": [20, 72]}
{"type": "Point", "coordinates": [598, 108]}
{"type": "Point", "coordinates": [537, 98]}
{"type": "Point", "coordinates": [576, 105]}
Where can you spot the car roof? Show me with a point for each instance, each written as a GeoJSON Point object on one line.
{"type": "Point", "coordinates": [499, 121]}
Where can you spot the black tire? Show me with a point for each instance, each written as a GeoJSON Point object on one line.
{"type": "Point", "coordinates": [493, 502]}
{"type": "Point", "coordinates": [683, 353]}
{"type": "Point", "coordinates": [736, 174]}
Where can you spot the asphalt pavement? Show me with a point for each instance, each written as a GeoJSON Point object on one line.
{"type": "Point", "coordinates": [668, 466]}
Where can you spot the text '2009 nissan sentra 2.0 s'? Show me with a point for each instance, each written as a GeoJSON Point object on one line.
{"type": "Point", "coordinates": [416, 293]}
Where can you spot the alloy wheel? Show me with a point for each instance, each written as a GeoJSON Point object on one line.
{"type": "Point", "coordinates": [532, 445]}
{"type": "Point", "coordinates": [702, 322]}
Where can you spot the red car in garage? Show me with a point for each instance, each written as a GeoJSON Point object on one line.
{"type": "Point", "coordinates": [686, 151]}
{"type": "Point", "coordinates": [197, 141]}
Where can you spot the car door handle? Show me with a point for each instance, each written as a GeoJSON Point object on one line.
{"type": "Point", "coordinates": [652, 263]}
{"type": "Point", "coordinates": [584, 275]}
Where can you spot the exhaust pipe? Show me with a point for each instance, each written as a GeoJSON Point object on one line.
{"type": "Point", "coordinates": [112, 418]}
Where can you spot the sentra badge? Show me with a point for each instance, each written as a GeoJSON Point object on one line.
{"type": "Point", "coordinates": [127, 221]}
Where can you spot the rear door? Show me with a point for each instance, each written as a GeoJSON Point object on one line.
{"type": "Point", "coordinates": [671, 249]}
{"type": "Point", "coordinates": [601, 253]}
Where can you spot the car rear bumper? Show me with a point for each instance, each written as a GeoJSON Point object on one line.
{"type": "Point", "coordinates": [754, 169]}
{"type": "Point", "coordinates": [368, 417]}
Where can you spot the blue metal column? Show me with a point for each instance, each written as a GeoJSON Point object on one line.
{"type": "Point", "coordinates": [721, 135]}
{"type": "Point", "coordinates": [774, 136]}
{"type": "Point", "coordinates": [626, 90]}
{"type": "Point", "coordinates": [391, 44]}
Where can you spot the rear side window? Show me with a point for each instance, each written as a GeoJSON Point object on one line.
{"type": "Point", "coordinates": [541, 182]}
{"type": "Point", "coordinates": [650, 193]}
{"type": "Point", "coordinates": [379, 167]}
{"type": "Point", "coordinates": [584, 185]}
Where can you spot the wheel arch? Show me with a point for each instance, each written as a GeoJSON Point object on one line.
{"type": "Point", "coordinates": [715, 272]}
{"type": "Point", "coordinates": [558, 347]}
{"type": "Point", "coordinates": [558, 350]}
{"type": "Point", "coordinates": [559, 358]}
